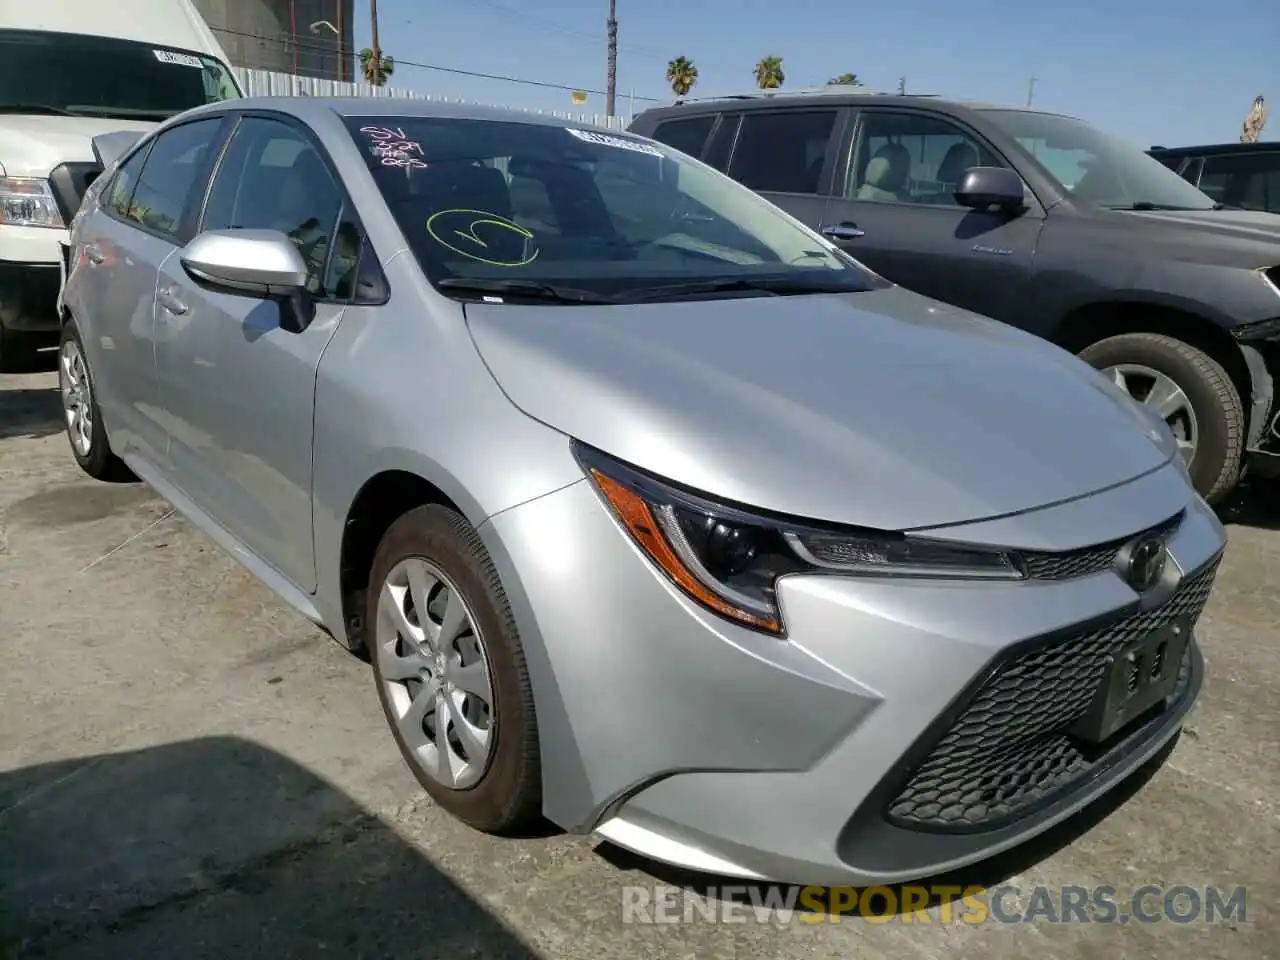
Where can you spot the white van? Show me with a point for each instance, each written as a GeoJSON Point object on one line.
{"type": "Point", "coordinates": [70, 70]}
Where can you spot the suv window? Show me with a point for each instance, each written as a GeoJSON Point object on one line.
{"type": "Point", "coordinates": [1249, 180]}
{"type": "Point", "coordinates": [687, 136]}
{"type": "Point", "coordinates": [120, 190]}
{"type": "Point", "coordinates": [169, 176]}
{"type": "Point", "coordinates": [782, 152]}
{"type": "Point", "coordinates": [273, 178]}
{"type": "Point", "coordinates": [913, 158]}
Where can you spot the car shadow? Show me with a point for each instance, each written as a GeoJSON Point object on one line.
{"type": "Point", "coordinates": [1254, 503]}
{"type": "Point", "coordinates": [218, 848]}
{"type": "Point", "coordinates": [920, 894]}
{"type": "Point", "coordinates": [30, 413]}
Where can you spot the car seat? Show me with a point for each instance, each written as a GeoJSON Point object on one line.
{"type": "Point", "coordinates": [886, 175]}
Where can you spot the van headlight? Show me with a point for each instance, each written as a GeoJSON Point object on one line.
{"type": "Point", "coordinates": [28, 202]}
{"type": "Point", "coordinates": [729, 559]}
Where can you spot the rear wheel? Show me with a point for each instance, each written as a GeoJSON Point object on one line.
{"type": "Point", "coordinates": [1191, 391]}
{"type": "Point", "coordinates": [85, 431]}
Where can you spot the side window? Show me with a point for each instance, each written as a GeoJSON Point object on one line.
{"type": "Point", "coordinates": [169, 176]}
{"type": "Point", "coordinates": [120, 191]}
{"type": "Point", "coordinates": [1249, 180]}
{"type": "Point", "coordinates": [687, 136]}
{"type": "Point", "coordinates": [912, 158]}
{"type": "Point", "coordinates": [272, 178]}
{"type": "Point", "coordinates": [722, 142]}
{"type": "Point", "coordinates": [782, 152]}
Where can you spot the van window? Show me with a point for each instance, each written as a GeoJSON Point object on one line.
{"type": "Point", "coordinates": [80, 75]}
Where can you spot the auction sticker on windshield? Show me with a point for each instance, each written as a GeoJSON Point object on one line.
{"type": "Point", "coordinates": [181, 59]}
{"type": "Point", "coordinates": [622, 143]}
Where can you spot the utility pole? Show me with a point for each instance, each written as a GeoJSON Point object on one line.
{"type": "Point", "coordinates": [374, 48]}
{"type": "Point", "coordinates": [1031, 90]}
{"type": "Point", "coordinates": [613, 58]}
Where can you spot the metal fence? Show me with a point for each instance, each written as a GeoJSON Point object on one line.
{"type": "Point", "coordinates": [265, 83]}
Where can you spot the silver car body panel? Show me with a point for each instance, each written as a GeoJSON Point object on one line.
{"type": "Point", "coordinates": [662, 725]}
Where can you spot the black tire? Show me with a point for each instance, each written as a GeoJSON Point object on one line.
{"type": "Point", "coordinates": [1214, 400]}
{"type": "Point", "coordinates": [508, 796]}
{"type": "Point", "coordinates": [99, 462]}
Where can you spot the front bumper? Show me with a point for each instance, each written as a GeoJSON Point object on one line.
{"type": "Point", "coordinates": [688, 739]}
{"type": "Point", "coordinates": [31, 269]}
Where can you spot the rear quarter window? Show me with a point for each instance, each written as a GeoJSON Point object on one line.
{"type": "Point", "coordinates": [686, 135]}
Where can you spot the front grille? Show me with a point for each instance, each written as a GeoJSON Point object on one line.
{"type": "Point", "coordinates": [1008, 750]}
{"type": "Point", "coordinates": [1088, 560]}
{"type": "Point", "coordinates": [69, 183]}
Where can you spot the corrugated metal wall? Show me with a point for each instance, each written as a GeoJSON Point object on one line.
{"type": "Point", "coordinates": [266, 83]}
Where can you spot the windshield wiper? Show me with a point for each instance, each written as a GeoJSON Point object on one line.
{"type": "Point", "coordinates": [777, 286]}
{"type": "Point", "coordinates": [43, 108]}
{"type": "Point", "coordinates": [520, 288]}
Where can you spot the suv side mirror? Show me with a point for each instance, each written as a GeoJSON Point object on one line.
{"type": "Point", "coordinates": [256, 263]}
{"type": "Point", "coordinates": [983, 187]}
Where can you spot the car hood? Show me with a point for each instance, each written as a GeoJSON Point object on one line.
{"type": "Point", "coordinates": [882, 409]}
{"type": "Point", "coordinates": [32, 146]}
{"type": "Point", "coordinates": [1247, 237]}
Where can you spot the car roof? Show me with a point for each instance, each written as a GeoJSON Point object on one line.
{"type": "Point", "coordinates": [306, 108]}
{"type": "Point", "coordinates": [830, 95]}
{"type": "Point", "coordinates": [1234, 147]}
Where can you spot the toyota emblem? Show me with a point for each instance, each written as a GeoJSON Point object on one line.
{"type": "Point", "coordinates": [1143, 563]}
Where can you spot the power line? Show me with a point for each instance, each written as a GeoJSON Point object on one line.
{"type": "Point", "coordinates": [522, 19]}
{"type": "Point", "coordinates": [335, 49]}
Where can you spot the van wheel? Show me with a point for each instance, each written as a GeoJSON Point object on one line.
{"type": "Point", "coordinates": [17, 353]}
{"type": "Point", "coordinates": [1191, 391]}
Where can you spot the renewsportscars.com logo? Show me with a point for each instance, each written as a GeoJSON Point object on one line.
{"type": "Point", "coordinates": [938, 904]}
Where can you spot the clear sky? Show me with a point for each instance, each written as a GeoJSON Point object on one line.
{"type": "Point", "coordinates": [1154, 71]}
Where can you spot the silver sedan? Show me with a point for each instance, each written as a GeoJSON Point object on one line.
{"type": "Point", "coordinates": [658, 515]}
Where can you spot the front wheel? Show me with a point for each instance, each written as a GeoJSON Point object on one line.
{"type": "Point", "coordinates": [450, 671]}
{"type": "Point", "coordinates": [1192, 393]}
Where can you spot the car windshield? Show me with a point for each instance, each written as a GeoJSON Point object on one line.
{"type": "Point", "coordinates": [70, 73]}
{"type": "Point", "coordinates": [1096, 167]}
{"type": "Point", "coordinates": [546, 209]}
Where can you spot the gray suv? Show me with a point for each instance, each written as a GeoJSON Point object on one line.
{"type": "Point", "coordinates": [1040, 221]}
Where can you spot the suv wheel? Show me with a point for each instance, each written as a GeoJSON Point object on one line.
{"type": "Point", "coordinates": [1191, 391]}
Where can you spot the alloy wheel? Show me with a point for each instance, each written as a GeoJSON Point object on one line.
{"type": "Point", "coordinates": [77, 397]}
{"type": "Point", "coordinates": [1165, 397]}
{"type": "Point", "coordinates": [434, 668]}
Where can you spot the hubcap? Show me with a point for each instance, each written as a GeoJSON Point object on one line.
{"type": "Point", "coordinates": [1165, 397]}
{"type": "Point", "coordinates": [434, 670]}
{"type": "Point", "coordinates": [77, 398]}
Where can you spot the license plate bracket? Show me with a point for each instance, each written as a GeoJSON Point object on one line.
{"type": "Point", "coordinates": [1140, 676]}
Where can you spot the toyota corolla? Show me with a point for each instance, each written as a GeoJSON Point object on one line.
{"type": "Point", "coordinates": [657, 514]}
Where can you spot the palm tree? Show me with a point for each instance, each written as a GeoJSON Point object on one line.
{"type": "Point", "coordinates": [376, 74]}
{"type": "Point", "coordinates": [682, 75]}
{"type": "Point", "coordinates": [769, 75]}
{"type": "Point", "coordinates": [846, 80]}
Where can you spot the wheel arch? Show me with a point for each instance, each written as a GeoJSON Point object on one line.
{"type": "Point", "coordinates": [384, 497]}
{"type": "Point", "coordinates": [1093, 322]}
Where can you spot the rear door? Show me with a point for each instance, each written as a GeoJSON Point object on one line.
{"type": "Point", "coordinates": [786, 155]}
{"type": "Point", "coordinates": [893, 208]}
{"type": "Point", "coordinates": [139, 224]}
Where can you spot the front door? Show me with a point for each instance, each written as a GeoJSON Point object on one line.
{"type": "Point", "coordinates": [237, 386]}
{"type": "Point", "coordinates": [893, 208]}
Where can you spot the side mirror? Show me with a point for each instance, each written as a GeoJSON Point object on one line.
{"type": "Point", "coordinates": [110, 147]}
{"type": "Point", "coordinates": [984, 187]}
{"type": "Point", "coordinates": [256, 263]}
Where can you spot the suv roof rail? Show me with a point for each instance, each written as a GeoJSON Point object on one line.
{"type": "Point", "coordinates": [809, 91]}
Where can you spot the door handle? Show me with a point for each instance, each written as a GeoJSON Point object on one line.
{"type": "Point", "coordinates": [94, 254]}
{"type": "Point", "coordinates": [168, 298]}
{"type": "Point", "coordinates": [842, 231]}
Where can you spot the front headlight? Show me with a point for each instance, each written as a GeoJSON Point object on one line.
{"type": "Point", "coordinates": [729, 559]}
{"type": "Point", "coordinates": [28, 202]}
